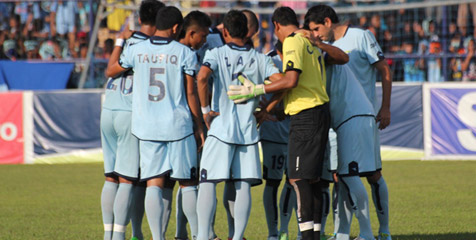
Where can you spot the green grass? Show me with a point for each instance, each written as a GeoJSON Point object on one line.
{"type": "Point", "coordinates": [428, 200]}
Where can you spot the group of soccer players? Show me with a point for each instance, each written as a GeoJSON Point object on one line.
{"type": "Point", "coordinates": [175, 79]}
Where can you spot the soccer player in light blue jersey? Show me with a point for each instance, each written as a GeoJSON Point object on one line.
{"type": "Point", "coordinates": [366, 61]}
{"type": "Point", "coordinates": [163, 107]}
{"type": "Point", "coordinates": [231, 150]}
{"type": "Point", "coordinates": [120, 147]}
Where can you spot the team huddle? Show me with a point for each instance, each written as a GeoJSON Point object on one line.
{"type": "Point", "coordinates": [189, 103]}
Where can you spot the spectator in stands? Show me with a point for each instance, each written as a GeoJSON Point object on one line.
{"type": "Point", "coordinates": [50, 50]}
{"type": "Point", "coordinates": [468, 66]}
{"type": "Point", "coordinates": [31, 49]}
{"type": "Point", "coordinates": [413, 67]}
{"type": "Point", "coordinates": [463, 17]}
{"type": "Point", "coordinates": [63, 17]}
{"type": "Point", "coordinates": [9, 49]}
{"type": "Point", "coordinates": [14, 30]}
{"type": "Point", "coordinates": [434, 64]}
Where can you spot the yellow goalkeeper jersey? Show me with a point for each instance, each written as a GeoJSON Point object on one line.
{"type": "Point", "coordinates": [300, 55]}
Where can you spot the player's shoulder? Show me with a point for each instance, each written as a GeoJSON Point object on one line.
{"type": "Point", "coordinates": [294, 40]}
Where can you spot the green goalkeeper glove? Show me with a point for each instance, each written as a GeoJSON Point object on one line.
{"type": "Point", "coordinates": [241, 93]}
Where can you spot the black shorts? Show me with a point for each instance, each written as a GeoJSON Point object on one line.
{"type": "Point", "coordinates": [308, 135]}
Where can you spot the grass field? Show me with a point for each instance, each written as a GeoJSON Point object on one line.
{"type": "Point", "coordinates": [428, 200]}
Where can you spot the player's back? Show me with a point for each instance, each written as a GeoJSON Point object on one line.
{"type": "Point", "coordinates": [363, 51]}
{"type": "Point", "coordinates": [275, 131]}
{"type": "Point", "coordinates": [236, 123]}
{"type": "Point", "coordinates": [160, 107]}
{"type": "Point", "coordinates": [346, 96]}
{"type": "Point", "coordinates": [119, 89]}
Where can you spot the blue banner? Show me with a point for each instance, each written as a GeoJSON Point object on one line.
{"type": "Point", "coordinates": [66, 121]}
{"type": "Point", "coordinates": [406, 127]}
{"type": "Point", "coordinates": [20, 75]}
{"type": "Point", "coordinates": [453, 120]}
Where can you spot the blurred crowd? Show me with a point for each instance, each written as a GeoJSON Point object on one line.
{"type": "Point", "coordinates": [421, 44]}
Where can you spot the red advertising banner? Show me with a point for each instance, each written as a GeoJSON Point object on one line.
{"type": "Point", "coordinates": [11, 128]}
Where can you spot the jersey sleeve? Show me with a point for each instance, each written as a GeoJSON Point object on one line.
{"type": "Point", "coordinates": [269, 66]}
{"type": "Point", "coordinates": [190, 66]}
{"type": "Point", "coordinates": [210, 60]}
{"type": "Point", "coordinates": [371, 48]}
{"type": "Point", "coordinates": [293, 54]}
{"type": "Point", "coordinates": [126, 60]}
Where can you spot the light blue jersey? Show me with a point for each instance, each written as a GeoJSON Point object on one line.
{"type": "Point", "coordinates": [363, 51]}
{"type": "Point", "coordinates": [119, 90]}
{"type": "Point", "coordinates": [277, 132]}
{"type": "Point", "coordinates": [214, 40]}
{"type": "Point", "coordinates": [347, 98]}
{"type": "Point", "coordinates": [160, 109]}
{"type": "Point", "coordinates": [236, 123]}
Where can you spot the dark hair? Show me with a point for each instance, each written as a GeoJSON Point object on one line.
{"type": "Point", "coordinates": [148, 11]}
{"type": "Point", "coordinates": [252, 19]}
{"type": "Point", "coordinates": [167, 17]}
{"type": "Point", "coordinates": [195, 18]}
{"type": "Point", "coordinates": [236, 23]}
{"type": "Point", "coordinates": [318, 13]}
{"type": "Point", "coordinates": [285, 16]}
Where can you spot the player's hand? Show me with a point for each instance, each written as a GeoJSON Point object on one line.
{"type": "Point", "coordinates": [316, 41]}
{"type": "Point", "coordinates": [241, 93]}
{"type": "Point", "coordinates": [208, 118]}
{"type": "Point", "coordinates": [199, 138]}
{"type": "Point", "coordinates": [383, 117]}
{"type": "Point", "coordinates": [126, 33]}
{"type": "Point", "coordinates": [262, 116]}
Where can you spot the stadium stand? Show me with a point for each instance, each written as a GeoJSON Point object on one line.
{"type": "Point", "coordinates": [422, 40]}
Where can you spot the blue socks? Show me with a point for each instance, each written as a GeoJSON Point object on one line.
{"type": "Point", "coordinates": [154, 208]}
{"type": "Point", "coordinates": [229, 194]}
{"type": "Point", "coordinates": [181, 222]}
{"type": "Point", "coordinates": [189, 206]}
{"type": "Point", "coordinates": [207, 202]}
{"type": "Point", "coordinates": [271, 209]}
{"type": "Point", "coordinates": [121, 210]}
{"type": "Point", "coordinates": [137, 211]}
{"type": "Point", "coordinates": [108, 195]}
{"type": "Point", "coordinates": [380, 198]}
{"type": "Point", "coordinates": [359, 204]}
{"type": "Point", "coordinates": [287, 202]}
{"type": "Point", "coordinates": [242, 207]}
{"type": "Point", "coordinates": [167, 202]}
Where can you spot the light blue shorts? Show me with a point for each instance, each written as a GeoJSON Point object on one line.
{"type": "Point", "coordinates": [330, 157]}
{"type": "Point", "coordinates": [275, 157]}
{"type": "Point", "coordinates": [120, 147]}
{"type": "Point", "coordinates": [179, 158]}
{"type": "Point", "coordinates": [378, 158]}
{"type": "Point", "coordinates": [356, 150]}
{"type": "Point", "coordinates": [224, 161]}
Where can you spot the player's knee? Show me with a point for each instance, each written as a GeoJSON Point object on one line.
{"type": "Point", "coordinates": [188, 183]}
{"type": "Point", "coordinates": [112, 179]}
{"type": "Point", "coordinates": [124, 180]}
{"type": "Point", "coordinates": [273, 182]}
{"type": "Point", "coordinates": [374, 177]}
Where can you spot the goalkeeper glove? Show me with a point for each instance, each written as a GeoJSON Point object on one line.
{"type": "Point", "coordinates": [241, 93]}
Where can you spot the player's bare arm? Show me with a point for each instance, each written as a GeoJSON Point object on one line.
{"type": "Point", "coordinates": [383, 115]}
{"type": "Point", "coordinates": [202, 82]}
{"type": "Point", "coordinates": [113, 67]}
{"type": "Point", "coordinates": [334, 54]}
{"type": "Point", "coordinates": [194, 105]}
